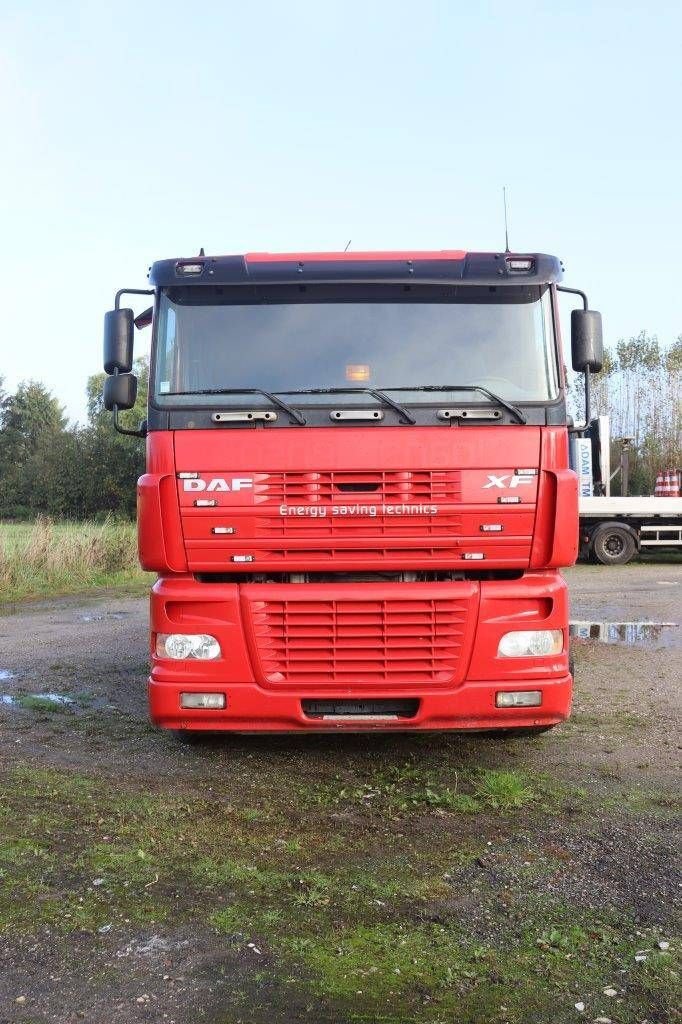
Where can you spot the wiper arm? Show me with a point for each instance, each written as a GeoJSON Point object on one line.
{"type": "Point", "coordinates": [470, 387]}
{"type": "Point", "coordinates": [374, 392]}
{"type": "Point", "coordinates": [293, 414]}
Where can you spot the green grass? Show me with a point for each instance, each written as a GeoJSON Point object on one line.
{"type": "Point", "coordinates": [43, 558]}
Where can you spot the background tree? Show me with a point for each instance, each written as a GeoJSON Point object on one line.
{"type": "Point", "coordinates": [68, 472]}
{"type": "Point", "coordinates": [32, 423]}
{"type": "Point", "coordinates": [639, 390]}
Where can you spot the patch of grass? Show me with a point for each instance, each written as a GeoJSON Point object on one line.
{"type": "Point", "coordinates": [504, 790]}
{"type": "Point", "coordinates": [408, 788]}
{"type": "Point", "coordinates": [46, 557]}
{"type": "Point", "coordinates": [36, 702]}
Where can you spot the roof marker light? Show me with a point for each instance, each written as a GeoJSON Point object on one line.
{"type": "Point", "coordinates": [516, 266]}
{"type": "Point", "coordinates": [189, 268]}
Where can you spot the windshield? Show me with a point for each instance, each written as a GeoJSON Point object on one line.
{"type": "Point", "coordinates": [284, 339]}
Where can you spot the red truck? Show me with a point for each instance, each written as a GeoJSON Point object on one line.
{"type": "Point", "coordinates": [358, 496]}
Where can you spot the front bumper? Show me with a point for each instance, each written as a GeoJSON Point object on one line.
{"type": "Point", "coordinates": [469, 706]}
{"type": "Point", "coordinates": [261, 700]}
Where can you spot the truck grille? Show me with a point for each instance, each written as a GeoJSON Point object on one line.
{"type": "Point", "coordinates": [360, 642]}
{"type": "Point", "coordinates": [394, 486]}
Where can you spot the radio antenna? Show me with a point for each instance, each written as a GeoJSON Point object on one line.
{"type": "Point", "coordinates": [348, 245]}
{"type": "Point", "coordinates": [506, 227]}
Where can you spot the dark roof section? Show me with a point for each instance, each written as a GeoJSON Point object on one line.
{"type": "Point", "coordinates": [486, 268]}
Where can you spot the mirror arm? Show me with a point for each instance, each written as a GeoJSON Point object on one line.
{"type": "Point", "coordinates": [123, 430]}
{"type": "Point", "coordinates": [588, 381]}
{"type": "Point", "coordinates": [572, 291]}
{"type": "Point", "coordinates": [130, 291]}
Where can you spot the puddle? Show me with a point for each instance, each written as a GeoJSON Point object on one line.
{"type": "Point", "coordinates": [630, 634]}
{"type": "Point", "coordinates": [38, 701]}
{"type": "Point", "coordinates": [53, 698]}
{"type": "Point", "coordinates": [6, 674]}
{"type": "Point", "coordinates": [102, 616]}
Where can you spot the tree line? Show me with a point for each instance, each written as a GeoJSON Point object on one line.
{"type": "Point", "coordinates": [82, 471]}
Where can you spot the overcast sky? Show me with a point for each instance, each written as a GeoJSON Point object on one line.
{"type": "Point", "coordinates": [138, 131]}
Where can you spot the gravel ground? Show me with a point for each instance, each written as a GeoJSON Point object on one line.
{"type": "Point", "coordinates": [607, 845]}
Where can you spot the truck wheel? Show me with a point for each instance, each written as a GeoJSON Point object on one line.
{"type": "Point", "coordinates": [613, 545]}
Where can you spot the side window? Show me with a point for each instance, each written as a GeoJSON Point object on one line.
{"type": "Point", "coordinates": [166, 371]}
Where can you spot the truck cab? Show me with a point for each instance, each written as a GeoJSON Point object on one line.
{"type": "Point", "coordinates": [358, 495]}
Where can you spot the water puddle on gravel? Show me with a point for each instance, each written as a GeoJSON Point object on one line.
{"type": "Point", "coordinates": [101, 617]}
{"type": "Point", "coordinates": [37, 701]}
{"type": "Point", "coordinates": [6, 674]}
{"type": "Point", "coordinates": [629, 634]}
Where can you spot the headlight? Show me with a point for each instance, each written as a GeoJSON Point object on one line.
{"type": "Point", "coordinates": [180, 646]}
{"type": "Point", "coordinates": [531, 643]}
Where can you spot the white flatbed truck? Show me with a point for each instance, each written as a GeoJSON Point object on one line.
{"type": "Point", "coordinates": [614, 530]}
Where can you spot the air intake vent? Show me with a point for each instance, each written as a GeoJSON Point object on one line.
{"type": "Point", "coordinates": [339, 710]}
{"type": "Point", "coordinates": [365, 643]}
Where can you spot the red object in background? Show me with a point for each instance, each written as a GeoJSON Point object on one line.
{"type": "Point", "coordinates": [667, 484]}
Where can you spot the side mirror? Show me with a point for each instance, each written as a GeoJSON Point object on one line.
{"type": "Point", "coordinates": [587, 346]}
{"type": "Point", "coordinates": [118, 341]}
{"type": "Point", "coordinates": [120, 391]}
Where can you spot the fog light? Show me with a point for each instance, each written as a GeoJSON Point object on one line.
{"type": "Point", "coordinates": [180, 646]}
{"type": "Point", "coordinates": [531, 643]}
{"type": "Point", "coordinates": [518, 698]}
{"type": "Point", "coordinates": [212, 701]}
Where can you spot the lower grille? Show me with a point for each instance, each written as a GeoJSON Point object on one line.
{"type": "Point", "coordinates": [368, 642]}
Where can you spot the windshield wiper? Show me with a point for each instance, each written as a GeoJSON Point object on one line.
{"type": "Point", "coordinates": [293, 414]}
{"type": "Point", "coordinates": [374, 392]}
{"type": "Point", "coordinates": [470, 387]}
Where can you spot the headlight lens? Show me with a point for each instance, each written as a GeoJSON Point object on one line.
{"type": "Point", "coordinates": [531, 643]}
{"type": "Point", "coordinates": [180, 646]}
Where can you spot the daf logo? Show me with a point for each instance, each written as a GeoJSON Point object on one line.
{"type": "Point", "coordinates": [217, 483]}
{"type": "Point", "coordinates": [515, 480]}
